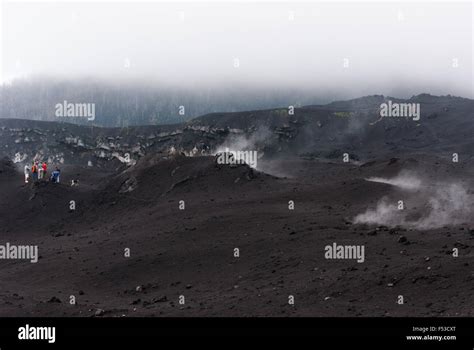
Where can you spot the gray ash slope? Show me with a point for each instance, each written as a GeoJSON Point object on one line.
{"type": "Point", "coordinates": [191, 252]}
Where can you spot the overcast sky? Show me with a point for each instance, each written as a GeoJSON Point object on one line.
{"type": "Point", "coordinates": [358, 48]}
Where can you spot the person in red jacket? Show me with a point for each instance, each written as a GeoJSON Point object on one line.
{"type": "Point", "coordinates": [44, 166]}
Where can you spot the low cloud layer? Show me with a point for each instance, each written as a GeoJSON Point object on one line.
{"type": "Point", "coordinates": [337, 49]}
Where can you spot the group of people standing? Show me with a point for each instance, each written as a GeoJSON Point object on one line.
{"type": "Point", "coordinates": [38, 172]}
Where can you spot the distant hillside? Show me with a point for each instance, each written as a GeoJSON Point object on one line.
{"type": "Point", "coordinates": [120, 105]}
{"type": "Point", "coordinates": [446, 125]}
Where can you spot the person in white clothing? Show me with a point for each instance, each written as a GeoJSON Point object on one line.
{"type": "Point", "coordinates": [27, 173]}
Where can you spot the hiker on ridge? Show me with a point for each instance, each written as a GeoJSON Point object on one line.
{"type": "Point", "coordinates": [27, 173]}
{"type": "Point", "coordinates": [44, 167]}
{"type": "Point", "coordinates": [55, 175]}
{"type": "Point", "coordinates": [34, 171]}
{"type": "Point", "coordinates": [40, 171]}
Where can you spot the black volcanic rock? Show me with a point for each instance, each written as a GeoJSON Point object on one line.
{"type": "Point", "coordinates": [7, 167]}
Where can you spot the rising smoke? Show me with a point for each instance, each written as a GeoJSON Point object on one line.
{"type": "Point", "coordinates": [241, 143]}
{"type": "Point", "coordinates": [405, 180]}
{"type": "Point", "coordinates": [439, 204]}
{"type": "Point", "coordinates": [255, 142]}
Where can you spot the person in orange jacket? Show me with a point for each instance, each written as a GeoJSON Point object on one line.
{"type": "Point", "coordinates": [34, 171]}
